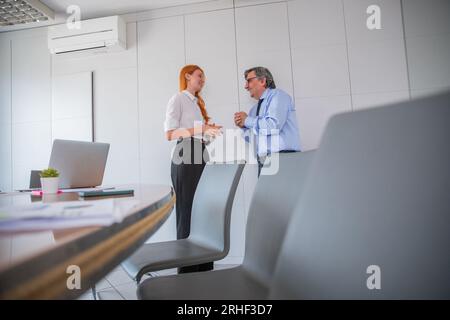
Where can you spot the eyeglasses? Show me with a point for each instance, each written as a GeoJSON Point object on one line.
{"type": "Point", "coordinates": [250, 79]}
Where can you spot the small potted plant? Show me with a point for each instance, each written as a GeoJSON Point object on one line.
{"type": "Point", "coordinates": [49, 180]}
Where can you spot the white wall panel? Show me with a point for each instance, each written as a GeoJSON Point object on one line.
{"type": "Point", "coordinates": [31, 108]}
{"type": "Point", "coordinates": [72, 107]}
{"type": "Point", "coordinates": [203, 6]}
{"type": "Point", "coordinates": [319, 51]}
{"type": "Point", "coordinates": [377, 59]}
{"type": "Point", "coordinates": [316, 22]}
{"type": "Point", "coordinates": [378, 67]}
{"type": "Point", "coordinates": [262, 28]}
{"type": "Point", "coordinates": [31, 80]}
{"type": "Point", "coordinates": [370, 100]}
{"type": "Point", "coordinates": [72, 129]}
{"type": "Point", "coordinates": [5, 115]}
{"type": "Point", "coordinates": [319, 65]}
{"type": "Point", "coordinates": [262, 39]}
{"type": "Point", "coordinates": [320, 71]}
{"type": "Point", "coordinates": [116, 122]}
{"type": "Point", "coordinates": [5, 80]}
{"type": "Point", "coordinates": [31, 147]}
{"type": "Point", "coordinates": [5, 156]}
{"type": "Point", "coordinates": [210, 38]}
{"type": "Point", "coordinates": [356, 21]}
{"type": "Point", "coordinates": [161, 56]}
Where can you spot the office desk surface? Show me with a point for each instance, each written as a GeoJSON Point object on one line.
{"type": "Point", "coordinates": [39, 265]}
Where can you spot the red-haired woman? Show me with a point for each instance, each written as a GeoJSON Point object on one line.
{"type": "Point", "coordinates": [187, 121]}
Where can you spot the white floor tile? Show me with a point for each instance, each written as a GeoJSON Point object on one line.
{"type": "Point", "coordinates": [102, 284]}
{"type": "Point", "coordinates": [127, 291]}
{"type": "Point", "coordinates": [118, 277]}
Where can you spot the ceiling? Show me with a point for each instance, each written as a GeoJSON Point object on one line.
{"type": "Point", "coordinates": [99, 8]}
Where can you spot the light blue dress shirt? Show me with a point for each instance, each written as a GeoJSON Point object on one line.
{"type": "Point", "coordinates": [276, 127]}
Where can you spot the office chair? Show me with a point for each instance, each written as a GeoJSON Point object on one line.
{"type": "Point", "coordinates": [35, 179]}
{"type": "Point", "coordinates": [374, 220]}
{"type": "Point", "coordinates": [272, 204]}
{"type": "Point", "coordinates": [209, 239]}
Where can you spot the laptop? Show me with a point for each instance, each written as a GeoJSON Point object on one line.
{"type": "Point", "coordinates": [80, 164]}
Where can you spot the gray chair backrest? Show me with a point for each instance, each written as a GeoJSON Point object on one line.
{"type": "Point", "coordinates": [378, 195]}
{"type": "Point", "coordinates": [35, 179]}
{"type": "Point", "coordinates": [213, 201]}
{"type": "Point", "coordinates": [270, 210]}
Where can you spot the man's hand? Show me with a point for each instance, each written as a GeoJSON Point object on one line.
{"type": "Point", "coordinates": [239, 118]}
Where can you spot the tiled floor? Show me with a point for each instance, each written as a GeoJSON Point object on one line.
{"type": "Point", "coordinates": [118, 286]}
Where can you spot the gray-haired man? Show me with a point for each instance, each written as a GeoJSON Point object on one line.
{"type": "Point", "coordinates": [274, 114]}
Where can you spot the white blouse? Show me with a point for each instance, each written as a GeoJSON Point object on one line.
{"type": "Point", "coordinates": [182, 111]}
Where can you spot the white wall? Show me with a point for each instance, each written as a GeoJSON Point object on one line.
{"type": "Point", "coordinates": [320, 65]}
{"type": "Point", "coordinates": [72, 107]}
{"type": "Point", "coordinates": [5, 115]}
{"type": "Point", "coordinates": [31, 107]}
{"type": "Point", "coordinates": [319, 51]}
{"type": "Point", "coordinates": [377, 58]}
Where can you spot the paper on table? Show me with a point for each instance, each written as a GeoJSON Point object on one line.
{"type": "Point", "coordinates": [59, 215]}
{"type": "Point", "coordinates": [87, 189]}
{"type": "Point", "coordinates": [65, 190]}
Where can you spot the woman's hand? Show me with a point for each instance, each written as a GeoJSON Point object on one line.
{"type": "Point", "coordinates": [211, 130]}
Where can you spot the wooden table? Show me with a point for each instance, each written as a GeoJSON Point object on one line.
{"type": "Point", "coordinates": [34, 264]}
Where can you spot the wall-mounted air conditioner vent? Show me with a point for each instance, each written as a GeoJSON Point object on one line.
{"type": "Point", "coordinates": [108, 33]}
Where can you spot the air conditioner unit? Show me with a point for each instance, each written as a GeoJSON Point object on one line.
{"type": "Point", "coordinates": [103, 33]}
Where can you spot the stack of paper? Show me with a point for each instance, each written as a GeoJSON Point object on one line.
{"type": "Point", "coordinates": [61, 215]}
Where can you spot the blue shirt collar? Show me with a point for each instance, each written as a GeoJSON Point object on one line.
{"type": "Point", "coordinates": [265, 93]}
